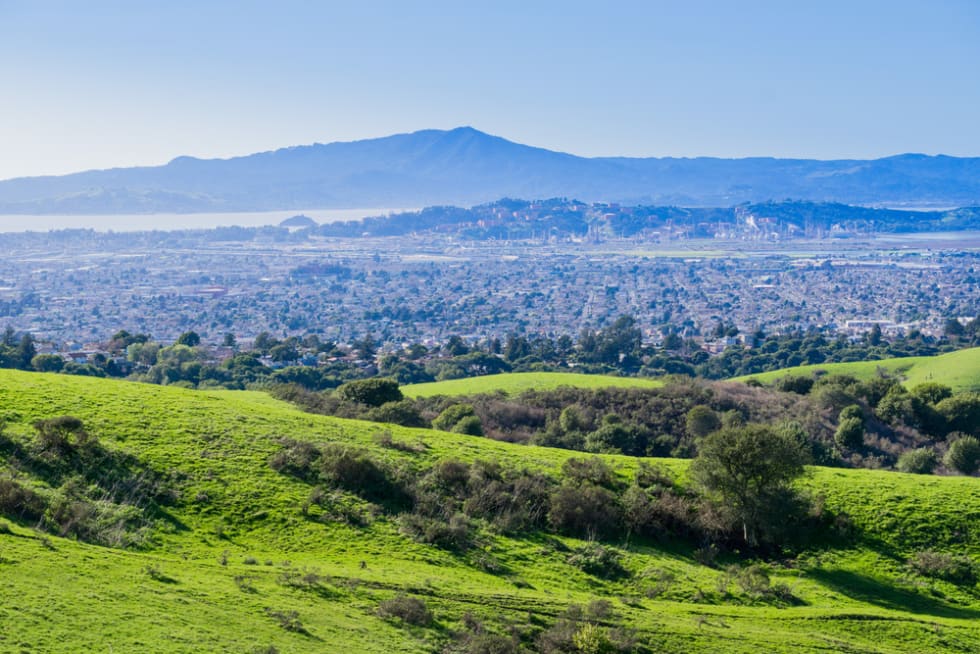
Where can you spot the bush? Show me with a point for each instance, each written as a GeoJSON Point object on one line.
{"type": "Point", "coordinates": [955, 569]}
{"type": "Point", "coordinates": [469, 425]}
{"type": "Point", "coordinates": [964, 455]}
{"type": "Point", "coordinates": [452, 535]}
{"type": "Point", "coordinates": [920, 461]}
{"type": "Point", "coordinates": [402, 413]}
{"type": "Point", "coordinates": [795, 384]}
{"type": "Point", "coordinates": [701, 421]}
{"type": "Point", "coordinates": [410, 610]}
{"type": "Point", "coordinates": [20, 503]}
{"type": "Point", "coordinates": [961, 412]}
{"type": "Point", "coordinates": [850, 433]}
{"type": "Point", "coordinates": [598, 560]}
{"type": "Point", "coordinates": [372, 392]}
{"type": "Point", "coordinates": [592, 470]}
{"type": "Point", "coordinates": [60, 436]}
{"type": "Point", "coordinates": [451, 416]}
{"type": "Point", "coordinates": [587, 511]}
{"type": "Point", "coordinates": [354, 470]}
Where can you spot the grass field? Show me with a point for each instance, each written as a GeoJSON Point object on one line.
{"type": "Point", "coordinates": [513, 383]}
{"type": "Point", "coordinates": [959, 370]}
{"type": "Point", "coordinates": [236, 555]}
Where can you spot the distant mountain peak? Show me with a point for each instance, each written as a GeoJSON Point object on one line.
{"type": "Point", "coordinates": [466, 166]}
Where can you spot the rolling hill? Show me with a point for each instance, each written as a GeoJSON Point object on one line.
{"type": "Point", "coordinates": [464, 166]}
{"type": "Point", "coordinates": [513, 383]}
{"type": "Point", "coordinates": [959, 370]}
{"type": "Point", "coordinates": [232, 556]}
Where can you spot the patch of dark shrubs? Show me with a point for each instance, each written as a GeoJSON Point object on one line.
{"type": "Point", "coordinates": [599, 561]}
{"type": "Point", "coordinates": [961, 570]}
{"type": "Point", "coordinates": [19, 502]}
{"type": "Point", "coordinates": [583, 629]}
{"type": "Point", "coordinates": [344, 467]}
{"type": "Point", "coordinates": [407, 609]}
{"type": "Point", "coordinates": [96, 495]}
{"type": "Point", "coordinates": [454, 534]}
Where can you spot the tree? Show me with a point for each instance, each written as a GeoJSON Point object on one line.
{"type": "Point", "coordinates": [749, 471]}
{"type": "Point", "coordinates": [372, 392]}
{"type": "Point", "coordinates": [190, 339]}
{"type": "Point", "coordinates": [701, 421]}
{"type": "Point", "coordinates": [920, 461]}
{"type": "Point", "coordinates": [452, 415]}
{"type": "Point", "coordinates": [964, 455]}
{"type": "Point", "coordinates": [961, 412]}
{"type": "Point", "coordinates": [47, 363]}
{"type": "Point", "coordinates": [25, 352]}
{"type": "Point", "coordinates": [850, 433]}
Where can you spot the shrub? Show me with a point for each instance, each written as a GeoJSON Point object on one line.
{"type": "Point", "coordinates": [586, 510]}
{"type": "Point", "coordinates": [850, 433]}
{"type": "Point", "coordinates": [451, 416]}
{"type": "Point", "coordinates": [598, 560]}
{"type": "Point", "coordinates": [955, 569]}
{"type": "Point", "coordinates": [296, 458]}
{"type": "Point", "coordinates": [354, 470]}
{"type": "Point", "coordinates": [964, 455]}
{"type": "Point", "coordinates": [20, 503]}
{"type": "Point", "coordinates": [453, 535]}
{"type": "Point", "coordinates": [60, 436]}
{"type": "Point", "coordinates": [961, 412]}
{"type": "Point", "coordinates": [469, 425]}
{"type": "Point", "coordinates": [410, 610]}
{"type": "Point", "coordinates": [920, 461]}
{"type": "Point", "coordinates": [794, 384]}
{"type": "Point", "coordinates": [592, 470]}
{"type": "Point", "coordinates": [402, 413]}
{"type": "Point", "coordinates": [288, 620]}
{"type": "Point", "coordinates": [372, 392]}
{"type": "Point", "coordinates": [701, 421]}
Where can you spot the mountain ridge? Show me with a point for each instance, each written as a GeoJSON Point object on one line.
{"type": "Point", "coordinates": [464, 166]}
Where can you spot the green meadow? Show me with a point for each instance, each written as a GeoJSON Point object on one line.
{"type": "Point", "coordinates": [960, 370]}
{"type": "Point", "coordinates": [236, 560]}
{"type": "Point", "coordinates": [513, 383]}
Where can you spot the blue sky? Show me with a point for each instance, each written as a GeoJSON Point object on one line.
{"type": "Point", "coordinates": [98, 84]}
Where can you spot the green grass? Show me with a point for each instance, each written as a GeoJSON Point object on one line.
{"type": "Point", "coordinates": [959, 370]}
{"type": "Point", "coordinates": [513, 383]}
{"type": "Point", "coordinates": [214, 576]}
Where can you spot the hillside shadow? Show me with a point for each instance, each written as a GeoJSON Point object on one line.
{"type": "Point", "coordinates": [873, 591]}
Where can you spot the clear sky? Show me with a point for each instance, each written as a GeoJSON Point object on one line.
{"type": "Point", "coordinates": [98, 84]}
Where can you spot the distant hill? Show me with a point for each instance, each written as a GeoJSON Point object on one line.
{"type": "Point", "coordinates": [298, 222]}
{"type": "Point", "coordinates": [464, 166]}
{"type": "Point", "coordinates": [513, 383]}
{"type": "Point", "coordinates": [959, 370]}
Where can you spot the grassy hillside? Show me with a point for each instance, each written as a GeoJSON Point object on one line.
{"type": "Point", "coordinates": [959, 370]}
{"type": "Point", "coordinates": [234, 561]}
{"type": "Point", "coordinates": [517, 382]}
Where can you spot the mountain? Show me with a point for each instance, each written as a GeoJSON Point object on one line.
{"type": "Point", "coordinates": [464, 166]}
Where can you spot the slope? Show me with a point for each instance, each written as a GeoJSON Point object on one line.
{"type": "Point", "coordinates": [960, 370]}
{"type": "Point", "coordinates": [235, 552]}
{"type": "Point", "coordinates": [516, 382]}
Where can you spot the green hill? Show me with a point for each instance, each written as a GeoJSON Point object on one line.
{"type": "Point", "coordinates": [959, 370]}
{"type": "Point", "coordinates": [513, 383]}
{"type": "Point", "coordinates": [229, 555]}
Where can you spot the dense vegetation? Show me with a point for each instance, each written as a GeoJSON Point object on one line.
{"type": "Point", "coordinates": [873, 422]}
{"type": "Point", "coordinates": [617, 349]}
